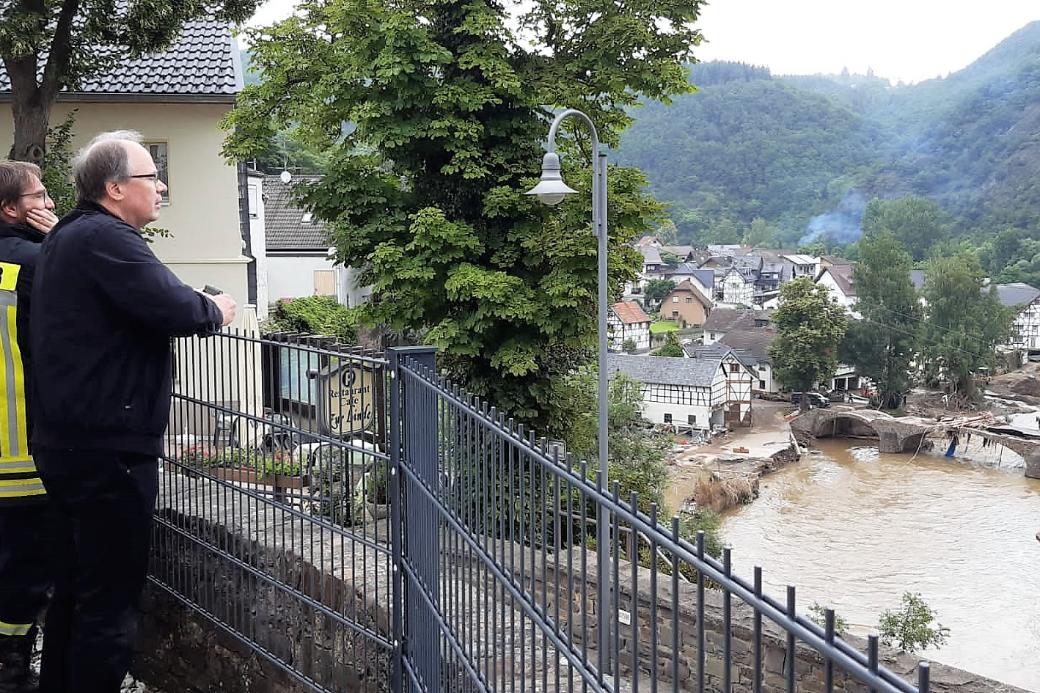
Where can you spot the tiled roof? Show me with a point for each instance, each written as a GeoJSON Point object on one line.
{"type": "Point", "coordinates": [202, 61]}
{"type": "Point", "coordinates": [801, 259]}
{"type": "Point", "coordinates": [651, 255]}
{"type": "Point", "coordinates": [283, 220]}
{"type": "Point", "coordinates": [755, 342]}
{"type": "Point", "coordinates": [727, 319]}
{"type": "Point", "coordinates": [665, 370]}
{"type": "Point", "coordinates": [718, 351]}
{"type": "Point", "coordinates": [1017, 294]}
{"type": "Point", "coordinates": [687, 286]}
{"type": "Point", "coordinates": [630, 312]}
{"type": "Point", "coordinates": [842, 275]}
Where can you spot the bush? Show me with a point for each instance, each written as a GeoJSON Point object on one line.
{"type": "Point", "coordinates": [910, 628]}
{"type": "Point", "coordinates": [818, 613]}
{"type": "Point", "coordinates": [319, 315]}
{"type": "Point", "coordinates": [628, 346]}
{"type": "Point", "coordinates": [707, 521]}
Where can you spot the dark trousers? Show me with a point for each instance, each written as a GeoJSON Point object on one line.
{"type": "Point", "coordinates": [26, 561]}
{"type": "Point", "coordinates": [104, 502]}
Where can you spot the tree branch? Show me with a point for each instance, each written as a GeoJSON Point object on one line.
{"type": "Point", "coordinates": [61, 51]}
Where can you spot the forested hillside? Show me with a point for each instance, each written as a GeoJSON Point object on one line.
{"type": "Point", "coordinates": [787, 149]}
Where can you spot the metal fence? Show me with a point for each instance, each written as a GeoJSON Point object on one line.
{"type": "Point", "coordinates": [364, 525]}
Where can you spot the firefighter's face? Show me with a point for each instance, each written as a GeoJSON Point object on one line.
{"type": "Point", "coordinates": [33, 197]}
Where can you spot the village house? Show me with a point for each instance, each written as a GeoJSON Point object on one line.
{"type": "Point", "coordinates": [690, 393]}
{"type": "Point", "coordinates": [687, 305]}
{"type": "Point", "coordinates": [703, 279]}
{"type": "Point", "coordinates": [753, 345]}
{"type": "Point", "coordinates": [802, 265]}
{"type": "Point", "coordinates": [177, 107]}
{"type": "Point", "coordinates": [839, 283]}
{"type": "Point", "coordinates": [1025, 301]}
{"type": "Point", "coordinates": [725, 320]}
{"type": "Point", "coordinates": [298, 260]}
{"type": "Point", "coordinates": [737, 289]}
{"type": "Point", "coordinates": [627, 321]}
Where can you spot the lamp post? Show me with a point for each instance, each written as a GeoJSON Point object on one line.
{"type": "Point", "coordinates": [551, 190]}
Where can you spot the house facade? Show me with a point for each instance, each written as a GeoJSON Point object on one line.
{"type": "Point", "coordinates": [690, 393]}
{"type": "Point", "coordinates": [686, 305]}
{"type": "Point", "coordinates": [753, 347]}
{"type": "Point", "coordinates": [802, 265]}
{"type": "Point", "coordinates": [626, 321]}
{"type": "Point", "coordinates": [1025, 301]}
{"type": "Point", "coordinates": [177, 107]}
{"type": "Point", "coordinates": [298, 258]}
{"type": "Point", "coordinates": [839, 284]}
{"type": "Point", "coordinates": [737, 289]}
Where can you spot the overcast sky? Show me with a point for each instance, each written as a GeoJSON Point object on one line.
{"type": "Point", "coordinates": [908, 40]}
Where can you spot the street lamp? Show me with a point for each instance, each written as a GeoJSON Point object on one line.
{"type": "Point", "coordinates": [551, 190]}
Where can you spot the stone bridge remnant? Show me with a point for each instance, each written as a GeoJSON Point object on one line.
{"type": "Point", "coordinates": [906, 433]}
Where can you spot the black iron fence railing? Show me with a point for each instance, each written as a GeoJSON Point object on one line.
{"type": "Point", "coordinates": [364, 525]}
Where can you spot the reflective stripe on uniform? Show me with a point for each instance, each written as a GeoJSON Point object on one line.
{"type": "Point", "coordinates": [15, 460]}
{"type": "Point", "coordinates": [14, 628]}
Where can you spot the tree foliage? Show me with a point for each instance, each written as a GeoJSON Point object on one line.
{"type": "Point", "coordinates": [50, 45]}
{"type": "Point", "coordinates": [883, 344]}
{"type": "Point", "coordinates": [913, 626]}
{"type": "Point", "coordinates": [915, 221]}
{"type": "Point", "coordinates": [965, 322]}
{"type": "Point", "coordinates": [425, 192]}
{"type": "Point", "coordinates": [671, 346]}
{"type": "Point", "coordinates": [657, 289]}
{"type": "Point", "coordinates": [635, 452]}
{"type": "Point", "coordinates": [809, 329]}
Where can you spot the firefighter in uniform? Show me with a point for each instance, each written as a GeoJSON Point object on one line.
{"type": "Point", "coordinates": [25, 520]}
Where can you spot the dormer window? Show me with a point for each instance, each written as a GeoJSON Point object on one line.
{"type": "Point", "coordinates": [308, 217]}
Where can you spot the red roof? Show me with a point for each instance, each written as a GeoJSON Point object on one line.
{"type": "Point", "coordinates": [630, 312]}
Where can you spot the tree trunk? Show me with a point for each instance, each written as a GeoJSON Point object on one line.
{"type": "Point", "coordinates": [31, 111]}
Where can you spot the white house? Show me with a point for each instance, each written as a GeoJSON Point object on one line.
{"type": "Point", "coordinates": [694, 393]}
{"type": "Point", "coordinates": [838, 281]}
{"type": "Point", "coordinates": [753, 348]}
{"type": "Point", "coordinates": [298, 259]}
{"type": "Point", "coordinates": [626, 320]}
{"type": "Point", "coordinates": [176, 99]}
{"type": "Point", "coordinates": [737, 289]}
{"type": "Point", "coordinates": [1025, 300]}
{"type": "Point", "coordinates": [803, 265]}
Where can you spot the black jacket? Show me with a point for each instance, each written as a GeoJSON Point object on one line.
{"type": "Point", "coordinates": [103, 312]}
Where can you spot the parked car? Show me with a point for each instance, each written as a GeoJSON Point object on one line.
{"type": "Point", "coordinates": [815, 399]}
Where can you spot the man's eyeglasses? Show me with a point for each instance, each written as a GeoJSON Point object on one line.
{"type": "Point", "coordinates": [154, 177]}
{"type": "Point", "coordinates": [41, 196]}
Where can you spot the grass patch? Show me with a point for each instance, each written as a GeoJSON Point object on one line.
{"type": "Point", "coordinates": [662, 326]}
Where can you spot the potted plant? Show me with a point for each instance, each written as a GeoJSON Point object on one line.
{"type": "Point", "coordinates": [374, 491]}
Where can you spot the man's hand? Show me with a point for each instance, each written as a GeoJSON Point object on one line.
{"type": "Point", "coordinates": [227, 306]}
{"type": "Point", "coordinates": [43, 220]}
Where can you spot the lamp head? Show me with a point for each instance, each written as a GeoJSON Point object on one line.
{"type": "Point", "coordinates": [551, 189]}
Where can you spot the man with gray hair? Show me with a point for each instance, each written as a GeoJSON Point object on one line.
{"type": "Point", "coordinates": [104, 310]}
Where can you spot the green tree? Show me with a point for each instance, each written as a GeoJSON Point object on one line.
{"type": "Point", "coordinates": [810, 326]}
{"type": "Point", "coordinates": [628, 346]}
{"type": "Point", "coordinates": [657, 289]}
{"type": "Point", "coordinates": [759, 234]}
{"type": "Point", "coordinates": [47, 46]}
{"type": "Point", "coordinates": [917, 222]}
{"type": "Point", "coordinates": [912, 626]}
{"type": "Point", "coordinates": [964, 324]}
{"type": "Point", "coordinates": [671, 346]}
{"type": "Point", "coordinates": [635, 452]}
{"type": "Point", "coordinates": [426, 192]}
{"type": "Point", "coordinates": [883, 344]}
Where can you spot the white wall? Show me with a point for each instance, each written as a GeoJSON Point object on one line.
{"type": "Point", "coordinates": [1027, 327]}
{"type": "Point", "coordinates": [839, 297]}
{"type": "Point", "coordinates": [258, 241]}
{"type": "Point", "coordinates": [205, 246]}
{"type": "Point", "coordinates": [292, 276]}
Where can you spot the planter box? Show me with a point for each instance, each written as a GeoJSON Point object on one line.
{"type": "Point", "coordinates": [251, 476]}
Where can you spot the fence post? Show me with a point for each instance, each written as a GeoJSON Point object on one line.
{"type": "Point", "coordinates": [396, 502]}
{"type": "Point", "coordinates": [420, 548]}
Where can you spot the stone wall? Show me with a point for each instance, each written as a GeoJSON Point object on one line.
{"type": "Point", "coordinates": [180, 650]}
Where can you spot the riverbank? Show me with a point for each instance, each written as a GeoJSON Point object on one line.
{"type": "Point", "coordinates": [726, 472]}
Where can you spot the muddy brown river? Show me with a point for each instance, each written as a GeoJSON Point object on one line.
{"type": "Point", "coordinates": [854, 530]}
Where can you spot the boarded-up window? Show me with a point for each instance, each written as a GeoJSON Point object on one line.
{"type": "Point", "coordinates": [324, 282]}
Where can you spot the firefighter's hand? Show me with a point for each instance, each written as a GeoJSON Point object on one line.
{"type": "Point", "coordinates": [43, 220]}
{"type": "Point", "coordinates": [227, 306]}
